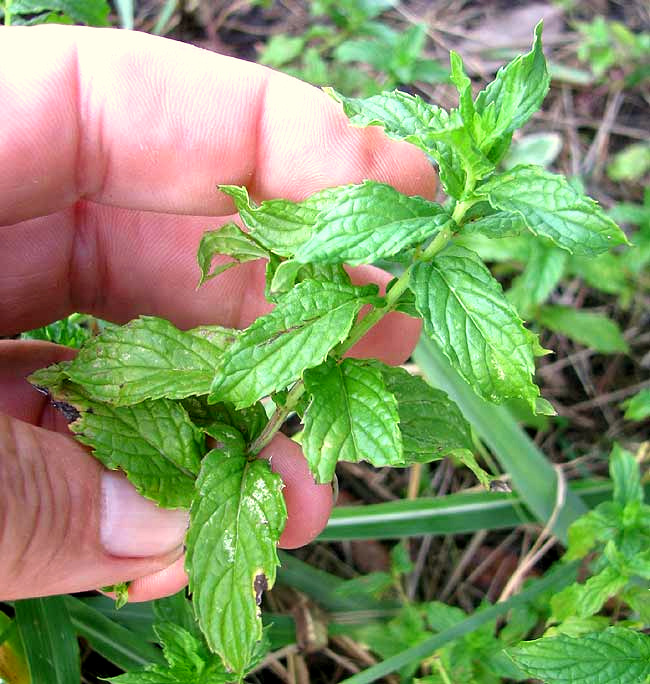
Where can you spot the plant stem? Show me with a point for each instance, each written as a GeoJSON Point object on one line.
{"type": "Point", "coordinates": [7, 9]}
{"type": "Point", "coordinates": [277, 419]}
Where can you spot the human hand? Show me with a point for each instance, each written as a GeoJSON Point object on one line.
{"type": "Point", "coordinates": [111, 149]}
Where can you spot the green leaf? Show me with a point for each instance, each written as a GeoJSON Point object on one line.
{"type": "Point", "coordinates": [290, 272]}
{"type": "Point", "coordinates": [535, 148]}
{"type": "Point", "coordinates": [631, 163]}
{"type": "Point", "coordinates": [153, 442]}
{"type": "Point", "coordinates": [231, 557]}
{"type": "Point", "coordinates": [464, 86]}
{"type": "Point", "coordinates": [148, 358]}
{"type": "Point", "coordinates": [90, 12]}
{"type": "Point", "coordinates": [431, 424]}
{"type": "Point", "coordinates": [280, 225]}
{"type": "Point", "coordinates": [515, 95]}
{"type": "Point", "coordinates": [230, 240]}
{"type": "Point", "coordinates": [439, 133]}
{"type": "Point", "coordinates": [493, 224]}
{"type": "Point", "coordinates": [617, 655]}
{"type": "Point", "coordinates": [351, 417]}
{"type": "Point", "coordinates": [189, 661]}
{"type": "Point", "coordinates": [587, 599]}
{"type": "Point", "coordinates": [638, 406]}
{"type": "Point", "coordinates": [625, 473]}
{"type": "Point", "coordinates": [281, 49]}
{"type": "Point", "coordinates": [68, 331]}
{"type": "Point", "coordinates": [298, 334]}
{"type": "Point", "coordinates": [250, 421]}
{"type": "Point", "coordinates": [553, 209]}
{"type": "Point", "coordinates": [544, 270]}
{"type": "Point", "coordinates": [597, 525]}
{"type": "Point", "coordinates": [466, 314]}
{"type": "Point", "coordinates": [371, 221]}
{"type": "Point", "coordinates": [590, 329]}
{"type": "Point", "coordinates": [50, 644]}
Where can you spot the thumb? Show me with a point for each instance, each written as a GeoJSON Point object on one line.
{"type": "Point", "coordinates": [67, 524]}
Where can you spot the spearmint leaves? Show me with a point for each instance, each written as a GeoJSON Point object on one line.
{"type": "Point", "coordinates": [279, 225]}
{"type": "Point", "coordinates": [290, 272]}
{"type": "Point", "coordinates": [351, 417]}
{"type": "Point", "coordinates": [235, 524]}
{"type": "Point", "coordinates": [298, 334]}
{"type": "Point", "coordinates": [467, 315]}
{"type": "Point", "coordinates": [188, 657]}
{"type": "Point", "coordinates": [371, 221]}
{"type": "Point", "coordinates": [230, 240]}
{"type": "Point", "coordinates": [551, 208]}
{"type": "Point", "coordinates": [513, 97]}
{"type": "Point", "coordinates": [431, 424]}
{"type": "Point", "coordinates": [616, 655]}
{"type": "Point", "coordinates": [153, 442]}
{"type": "Point", "coordinates": [148, 358]}
{"type": "Point", "coordinates": [439, 133]}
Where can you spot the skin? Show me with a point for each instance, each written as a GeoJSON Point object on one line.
{"type": "Point", "coordinates": [111, 147]}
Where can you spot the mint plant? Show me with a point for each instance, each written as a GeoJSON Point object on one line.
{"type": "Point", "coordinates": [181, 412]}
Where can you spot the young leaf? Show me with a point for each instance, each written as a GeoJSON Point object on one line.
{"type": "Point", "coordinates": [466, 314]}
{"type": "Point", "coordinates": [552, 208]}
{"type": "Point", "coordinates": [371, 221]}
{"type": "Point", "coordinates": [615, 655]}
{"type": "Point", "coordinates": [514, 96]}
{"type": "Point", "coordinates": [250, 421]}
{"type": "Point", "coordinates": [637, 407]}
{"type": "Point", "coordinates": [146, 359]}
{"type": "Point", "coordinates": [290, 272]}
{"type": "Point", "coordinates": [497, 224]}
{"type": "Point", "coordinates": [591, 329]}
{"type": "Point", "coordinates": [280, 225]}
{"type": "Point", "coordinates": [431, 424]}
{"type": "Point", "coordinates": [298, 334]}
{"type": "Point", "coordinates": [440, 134]}
{"type": "Point", "coordinates": [80, 11]}
{"type": "Point", "coordinates": [189, 661]}
{"type": "Point", "coordinates": [231, 557]}
{"type": "Point", "coordinates": [153, 442]}
{"type": "Point", "coordinates": [351, 417]}
{"type": "Point", "coordinates": [230, 240]}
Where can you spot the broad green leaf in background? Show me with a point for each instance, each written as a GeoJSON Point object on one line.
{"type": "Point", "coordinates": [231, 559]}
{"type": "Point", "coordinates": [544, 269]}
{"type": "Point", "coordinates": [230, 240]}
{"type": "Point", "coordinates": [638, 406]}
{"type": "Point", "coordinates": [148, 358]}
{"type": "Point", "coordinates": [68, 331]}
{"type": "Point", "coordinates": [535, 148]}
{"type": "Point", "coordinates": [617, 655]}
{"type": "Point", "coordinates": [305, 325]}
{"type": "Point", "coordinates": [153, 442]}
{"type": "Point", "coordinates": [351, 417]}
{"type": "Point", "coordinates": [587, 599]}
{"type": "Point", "coordinates": [50, 644]}
{"type": "Point", "coordinates": [467, 315]}
{"type": "Point", "coordinates": [90, 12]}
{"type": "Point", "coordinates": [604, 272]}
{"type": "Point", "coordinates": [514, 95]}
{"type": "Point", "coordinates": [371, 221]}
{"type": "Point", "coordinates": [553, 209]}
{"type": "Point", "coordinates": [626, 475]}
{"type": "Point", "coordinates": [431, 424]}
{"type": "Point", "coordinates": [280, 225]}
{"type": "Point", "coordinates": [631, 163]}
{"type": "Point", "coordinates": [591, 329]}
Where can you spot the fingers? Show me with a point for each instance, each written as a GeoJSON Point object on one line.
{"type": "Point", "coordinates": [122, 263]}
{"type": "Point", "coordinates": [70, 525]}
{"type": "Point", "coordinates": [136, 121]}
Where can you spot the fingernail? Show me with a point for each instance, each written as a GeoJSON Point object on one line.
{"type": "Point", "coordinates": [134, 526]}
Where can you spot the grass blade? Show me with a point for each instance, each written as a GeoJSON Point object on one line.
{"type": "Point", "coordinates": [165, 15]}
{"type": "Point", "coordinates": [49, 640]}
{"type": "Point", "coordinates": [136, 617]}
{"type": "Point", "coordinates": [461, 513]}
{"type": "Point", "coordinates": [533, 477]}
{"type": "Point", "coordinates": [116, 643]}
{"type": "Point", "coordinates": [556, 580]}
{"type": "Point", "coordinates": [126, 13]}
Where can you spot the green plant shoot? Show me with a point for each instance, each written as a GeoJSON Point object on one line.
{"type": "Point", "coordinates": [147, 396]}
